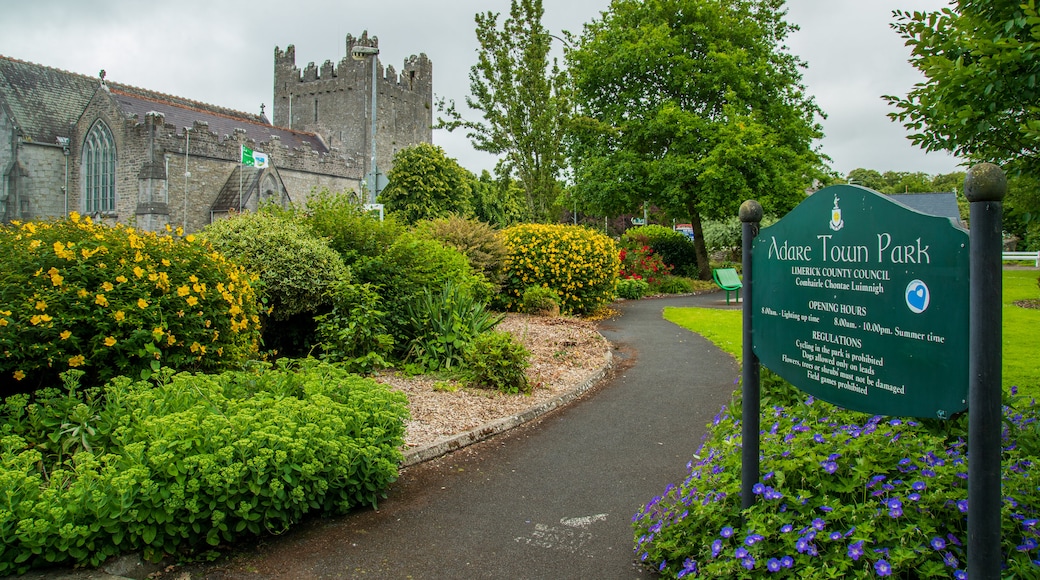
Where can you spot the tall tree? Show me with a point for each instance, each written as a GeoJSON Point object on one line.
{"type": "Point", "coordinates": [425, 183]}
{"type": "Point", "coordinates": [523, 97]}
{"type": "Point", "coordinates": [981, 59]}
{"type": "Point", "coordinates": [694, 106]}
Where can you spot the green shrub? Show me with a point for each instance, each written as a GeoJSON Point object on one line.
{"type": "Point", "coordinates": [642, 263]}
{"type": "Point", "coordinates": [479, 242]}
{"type": "Point", "coordinates": [296, 267]}
{"type": "Point", "coordinates": [409, 268]}
{"type": "Point", "coordinates": [675, 248]}
{"type": "Point", "coordinates": [354, 332]}
{"type": "Point", "coordinates": [496, 360]}
{"type": "Point", "coordinates": [540, 300]}
{"type": "Point", "coordinates": [632, 288]}
{"type": "Point", "coordinates": [580, 264]}
{"type": "Point", "coordinates": [443, 324]}
{"type": "Point", "coordinates": [194, 461]}
{"type": "Point", "coordinates": [115, 300]}
{"type": "Point", "coordinates": [675, 285]}
{"type": "Point", "coordinates": [353, 233]}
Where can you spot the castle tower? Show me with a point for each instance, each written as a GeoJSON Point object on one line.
{"type": "Point", "coordinates": [334, 102]}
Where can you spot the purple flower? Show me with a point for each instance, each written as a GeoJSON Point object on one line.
{"type": "Point", "coordinates": [773, 565]}
{"type": "Point", "coordinates": [786, 528]}
{"type": "Point", "coordinates": [918, 486]}
{"type": "Point", "coordinates": [829, 466]}
{"type": "Point", "coordinates": [727, 532]}
{"type": "Point", "coordinates": [962, 505]}
{"type": "Point", "coordinates": [826, 509]}
{"type": "Point", "coordinates": [664, 564]}
{"type": "Point", "coordinates": [938, 543]}
{"type": "Point", "coordinates": [748, 562]}
{"type": "Point", "coordinates": [856, 550]}
{"type": "Point", "coordinates": [835, 536]}
{"type": "Point", "coordinates": [787, 562]}
{"type": "Point", "coordinates": [688, 567]}
{"type": "Point", "coordinates": [819, 524]}
{"type": "Point", "coordinates": [895, 512]}
{"type": "Point", "coordinates": [716, 548]}
{"type": "Point", "coordinates": [950, 560]}
{"type": "Point", "coordinates": [758, 488]}
{"type": "Point", "coordinates": [883, 568]}
{"type": "Point", "coordinates": [740, 553]}
{"type": "Point", "coordinates": [802, 545]}
{"type": "Point", "coordinates": [818, 438]}
{"type": "Point", "coordinates": [914, 496]}
{"type": "Point", "coordinates": [960, 575]}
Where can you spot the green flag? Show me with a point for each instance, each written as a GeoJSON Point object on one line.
{"type": "Point", "coordinates": [253, 158]}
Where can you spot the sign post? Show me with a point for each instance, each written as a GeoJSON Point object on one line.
{"type": "Point", "coordinates": [985, 186]}
{"type": "Point", "coordinates": [751, 392]}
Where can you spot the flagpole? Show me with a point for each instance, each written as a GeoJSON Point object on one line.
{"type": "Point", "coordinates": [241, 170]}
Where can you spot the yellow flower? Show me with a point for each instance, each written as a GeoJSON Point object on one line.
{"type": "Point", "coordinates": [41, 305]}
{"type": "Point", "coordinates": [120, 278]}
{"type": "Point", "coordinates": [195, 346]}
{"type": "Point", "coordinates": [183, 290]}
{"type": "Point", "coordinates": [171, 340]}
{"type": "Point", "coordinates": [138, 271]}
{"type": "Point", "coordinates": [110, 341]}
{"type": "Point", "coordinates": [180, 231]}
{"type": "Point", "coordinates": [34, 244]}
{"type": "Point", "coordinates": [165, 262]}
{"type": "Point", "coordinates": [142, 303]}
{"type": "Point", "coordinates": [101, 300]}
{"type": "Point", "coordinates": [65, 334]}
{"type": "Point", "coordinates": [119, 315]}
{"type": "Point", "coordinates": [192, 301]}
{"type": "Point", "coordinates": [107, 286]}
{"type": "Point", "coordinates": [19, 375]}
{"type": "Point", "coordinates": [77, 361]}
{"type": "Point", "coordinates": [189, 238]}
{"type": "Point", "coordinates": [82, 292]}
{"type": "Point", "coordinates": [157, 334]}
{"type": "Point", "coordinates": [74, 217]}
{"type": "Point", "coordinates": [193, 278]}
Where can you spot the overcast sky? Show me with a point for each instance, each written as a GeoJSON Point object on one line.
{"type": "Point", "coordinates": [221, 53]}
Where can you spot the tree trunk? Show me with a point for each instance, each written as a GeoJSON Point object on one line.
{"type": "Point", "coordinates": [700, 249]}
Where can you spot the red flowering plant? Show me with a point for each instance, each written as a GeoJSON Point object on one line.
{"type": "Point", "coordinates": [641, 263]}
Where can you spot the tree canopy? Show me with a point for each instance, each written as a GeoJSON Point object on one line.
{"type": "Point", "coordinates": [981, 59]}
{"type": "Point", "coordinates": [425, 183]}
{"type": "Point", "coordinates": [523, 98]}
{"type": "Point", "coordinates": [694, 106]}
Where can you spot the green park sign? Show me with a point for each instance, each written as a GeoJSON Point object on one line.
{"type": "Point", "coordinates": [863, 302]}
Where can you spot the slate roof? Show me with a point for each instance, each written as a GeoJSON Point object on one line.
{"type": "Point", "coordinates": [46, 102]}
{"type": "Point", "coordinates": [228, 198]}
{"type": "Point", "coordinates": [938, 204]}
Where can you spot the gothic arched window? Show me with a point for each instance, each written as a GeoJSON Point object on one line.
{"type": "Point", "coordinates": [99, 163]}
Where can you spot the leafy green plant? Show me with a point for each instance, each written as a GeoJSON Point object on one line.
{"type": "Point", "coordinates": [675, 285]}
{"type": "Point", "coordinates": [443, 324]}
{"type": "Point", "coordinates": [114, 300]}
{"type": "Point", "coordinates": [540, 300]}
{"type": "Point", "coordinates": [425, 183]}
{"type": "Point", "coordinates": [497, 360]}
{"type": "Point", "coordinates": [354, 332]}
{"type": "Point", "coordinates": [632, 288]}
{"type": "Point", "coordinates": [190, 461]}
{"type": "Point", "coordinates": [580, 264]}
{"type": "Point", "coordinates": [478, 241]}
{"type": "Point", "coordinates": [350, 231]}
{"type": "Point", "coordinates": [411, 267]}
{"type": "Point", "coordinates": [641, 263]}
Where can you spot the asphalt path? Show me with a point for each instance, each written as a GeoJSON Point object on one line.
{"type": "Point", "coordinates": [553, 498]}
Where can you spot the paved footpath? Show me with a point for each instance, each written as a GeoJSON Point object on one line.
{"type": "Point", "coordinates": [551, 499]}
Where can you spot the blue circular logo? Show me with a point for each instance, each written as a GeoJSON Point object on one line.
{"type": "Point", "coordinates": [917, 296]}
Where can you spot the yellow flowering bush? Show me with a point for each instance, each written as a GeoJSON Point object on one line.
{"type": "Point", "coordinates": [579, 264]}
{"type": "Point", "coordinates": [116, 300]}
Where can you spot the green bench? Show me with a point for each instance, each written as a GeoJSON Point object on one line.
{"type": "Point", "coordinates": [728, 280]}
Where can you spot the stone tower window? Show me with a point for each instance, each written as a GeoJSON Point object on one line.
{"type": "Point", "coordinates": [99, 162]}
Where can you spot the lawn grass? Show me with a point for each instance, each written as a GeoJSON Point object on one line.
{"type": "Point", "coordinates": [1020, 330]}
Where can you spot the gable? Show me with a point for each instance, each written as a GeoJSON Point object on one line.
{"type": "Point", "coordinates": [44, 102]}
{"type": "Point", "coordinates": [937, 204]}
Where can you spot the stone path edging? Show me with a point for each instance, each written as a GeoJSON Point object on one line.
{"type": "Point", "coordinates": [487, 430]}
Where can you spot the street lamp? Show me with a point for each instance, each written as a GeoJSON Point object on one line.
{"type": "Point", "coordinates": [358, 52]}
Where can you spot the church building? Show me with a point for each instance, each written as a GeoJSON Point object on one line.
{"type": "Point", "coordinates": [71, 142]}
